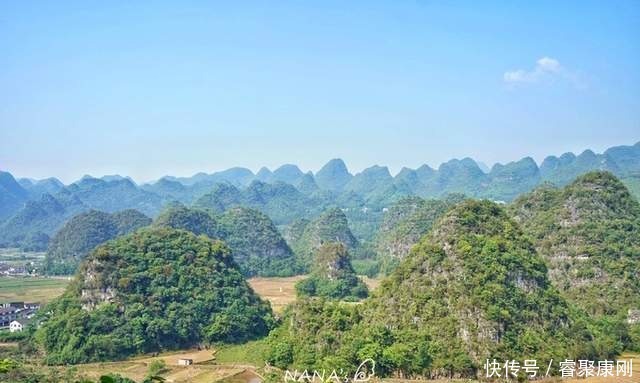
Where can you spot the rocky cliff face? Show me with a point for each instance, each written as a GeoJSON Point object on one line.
{"type": "Point", "coordinates": [332, 261]}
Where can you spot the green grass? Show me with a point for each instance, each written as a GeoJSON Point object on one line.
{"type": "Point", "coordinates": [27, 283]}
{"type": "Point", "coordinates": [248, 353]}
{"type": "Point", "coordinates": [31, 289]}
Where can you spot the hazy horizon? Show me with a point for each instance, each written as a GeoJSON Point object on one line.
{"type": "Point", "coordinates": [174, 89]}
{"type": "Point", "coordinates": [393, 171]}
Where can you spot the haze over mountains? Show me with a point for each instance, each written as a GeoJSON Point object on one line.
{"type": "Point", "coordinates": [31, 211]}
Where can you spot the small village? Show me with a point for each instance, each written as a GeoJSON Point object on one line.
{"type": "Point", "coordinates": [17, 316]}
{"type": "Point", "coordinates": [18, 271]}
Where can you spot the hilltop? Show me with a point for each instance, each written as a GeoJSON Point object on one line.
{"type": "Point", "coordinates": [308, 236]}
{"type": "Point", "coordinates": [332, 276]}
{"type": "Point", "coordinates": [257, 246]}
{"type": "Point", "coordinates": [282, 202]}
{"type": "Point", "coordinates": [197, 221]}
{"type": "Point", "coordinates": [84, 232]}
{"type": "Point", "coordinates": [31, 227]}
{"type": "Point", "coordinates": [45, 211]}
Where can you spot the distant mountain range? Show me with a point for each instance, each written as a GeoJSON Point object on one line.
{"type": "Point", "coordinates": [502, 181]}
{"type": "Point", "coordinates": [31, 211]}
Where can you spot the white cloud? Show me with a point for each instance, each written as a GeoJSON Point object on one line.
{"type": "Point", "coordinates": [548, 64]}
{"type": "Point", "coordinates": [546, 69]}
{"type": "Point", "coordinates": [520, 75]}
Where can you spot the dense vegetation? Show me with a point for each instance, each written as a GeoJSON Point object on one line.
{"type": "Point", "coordinates": [332, 276]}
{"type": "Point", "coordinates": [155, 289]}
{"type": "Point", "coordinates": [474, 288]}
{"type": "Point", "coordinates": [307, 236]}
{"type": "Point", "coordinates": [311, 332]}
{"type": "Point", "coordinates": [477, 288]}
{"type": "Point", "coordinates": [83, 233]}
{"type": "Point", "coordinates": [197, 221]}
{"type": "Point", "coordinates": [407, 221]}
{"type": "Point", "coordinates": [257, 246]}
{"type": "Point", "coordinates": [589, 233]}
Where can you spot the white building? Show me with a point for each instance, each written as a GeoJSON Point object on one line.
{"type": "Point", "coordinates": [185, 362]}
{"type": "Point", "coordinates": [16, 326]}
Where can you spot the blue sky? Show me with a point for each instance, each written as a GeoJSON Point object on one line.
{"type": "Point", "coordinates": [180, 87]}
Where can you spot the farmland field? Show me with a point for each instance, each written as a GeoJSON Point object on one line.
{"type": "Point", "coordinates": [281, 291]}
{"type": "Point", "coordinates": [31, 289]}
{"type": "Point", "coordinates": [203, 370]}
{"type": "Point", "coordinates": [211, 366]}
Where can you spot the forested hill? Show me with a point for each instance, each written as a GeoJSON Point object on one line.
{"type": "Point", "coordinates": [499, 298]}
{"type": "Point", "coordinates": [332, 275]}
{"type": "Point", "coordinates": [31, 211]}
{"type": "Point", "coordinates": [330, 226]}
{"type": "Point", "coordinates": [589, 234]}
{"type": "Point", "coordinates": [257, 246]}
{"type": "Point", "coordinates": [82, 233]}
{"type": "Point", "coordinates": [408, 220]}
{"type": "Point", "coordinates": [156, 289]}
